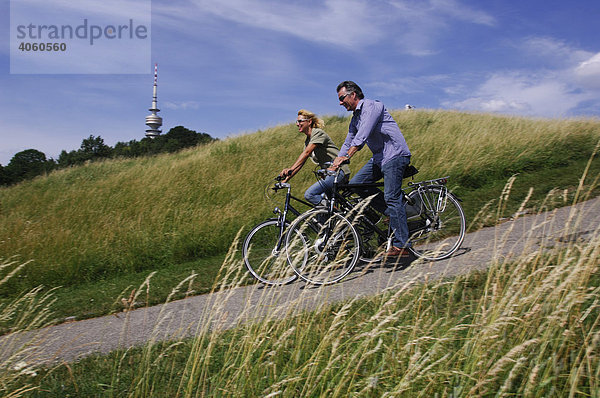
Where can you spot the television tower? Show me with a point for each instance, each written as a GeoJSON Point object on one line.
{"type": "Point", "coordinates": [154, 121]}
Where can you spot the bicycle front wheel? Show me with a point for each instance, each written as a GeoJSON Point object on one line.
{"type": "Point", "coordinates": [438, 231]}
{"type": "Point", "coordinates": [322, 249]}
{"type": "Point", "coordinates": [263, 254]}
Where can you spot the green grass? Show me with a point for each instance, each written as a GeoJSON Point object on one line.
{"type": "Point", "coordinates": [99, 229]}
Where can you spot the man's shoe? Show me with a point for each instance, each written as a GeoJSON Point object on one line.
{"type": "Point", "coordinates": [397, 252]}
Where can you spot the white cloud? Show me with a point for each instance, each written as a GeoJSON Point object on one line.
{"type": "Point", "coordinates": [548, 94]}
{"type": "Point", "coordinates": [351, 24]}
{"type": "Point", "coordinates": [335, 22]}
{"type": "Point", "coordinates": [437, 10]}
{"type": "Point", "coordinates": [458, 11]}
{"type": "Point", "coordinates": [569, 78]}
{"type": "Point", "coordinates": [553, 52]}
{"type": "Point", "coordinates": [588, 73]}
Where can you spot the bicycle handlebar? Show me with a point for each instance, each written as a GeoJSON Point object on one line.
{"type": "Point", "coordinates": [327, 172]}
{"type": "Point", "coordinates": [280, 185]}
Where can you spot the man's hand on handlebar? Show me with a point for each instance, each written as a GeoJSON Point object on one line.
{"type": "Point", "coordinates": [286, 174]}
{"type": "Point", "coordinates": [337, 162]}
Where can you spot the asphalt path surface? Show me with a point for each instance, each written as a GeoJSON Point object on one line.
{"type": "Point", "coordinates": [68, 342]}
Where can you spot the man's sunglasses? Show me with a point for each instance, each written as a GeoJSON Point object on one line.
{"type": "Point", "coordinates": [341, 98]}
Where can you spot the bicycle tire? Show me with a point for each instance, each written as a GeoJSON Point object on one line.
{"type": "Point", "coordinates": [263, 259]}
{"type": "Point", "coordinates": [327, 249]}
{"type": "Point", "coordinates": [439, 230]}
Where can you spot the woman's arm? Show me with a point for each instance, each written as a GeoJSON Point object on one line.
{"type": "Point", "coordinates": [289, 173]}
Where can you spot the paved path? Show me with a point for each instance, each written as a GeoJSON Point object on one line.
{"type": "Point", "coordinates": [70, 341]}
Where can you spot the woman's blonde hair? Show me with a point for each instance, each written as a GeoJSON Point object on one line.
{"type": "Point", "coordinates": [314, 120]}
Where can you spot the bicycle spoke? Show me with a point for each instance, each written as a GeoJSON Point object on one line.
{"type": "Point", "coordinates": [439, 230]}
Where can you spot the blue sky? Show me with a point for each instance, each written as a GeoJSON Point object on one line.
{"type": "Point", "coordinates": [228, 67]}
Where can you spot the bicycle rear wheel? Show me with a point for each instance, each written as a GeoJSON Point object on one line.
{"type": "Point", "coordinates": [322, 250]}
{"type": "Point", "coordinates": [263, 254]}
{"type": "Point", "coordinates": [439, 228]}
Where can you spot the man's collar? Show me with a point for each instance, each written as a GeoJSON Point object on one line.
{"type": "Point", "coordinates": [359, 107]}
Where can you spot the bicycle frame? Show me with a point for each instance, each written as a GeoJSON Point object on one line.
{"type": "Point", "coordinates": [323, 245]}
{"type": "Point", "coordinates": [282, 215]}
{"type": "Point", "coordinates": [420, 186]}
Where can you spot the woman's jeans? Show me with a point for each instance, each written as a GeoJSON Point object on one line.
{"type": "Point", "coordinates": [391, 202]}
{"type": "Point", "coordinates": [322, 189]}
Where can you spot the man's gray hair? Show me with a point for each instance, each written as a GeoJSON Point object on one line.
{"type": "Point", "coordinates": [351, 87]}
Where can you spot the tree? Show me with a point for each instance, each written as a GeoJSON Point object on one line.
{"type": "Point", "coordinates": [66, 159]}
{"type": "Point", "coordinates": [176, 139]}
{"type": "Point", "coordinates": [183, 136]}
{"type": "Point", "coordinates": [94, 148]}
{"type": "Point", "coordinates": [4, 176]}
{"type": "Point", "coordinates": [27, 164]}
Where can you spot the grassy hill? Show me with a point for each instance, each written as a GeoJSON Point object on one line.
{"type": "Point", "coordinates": [107, 225]}
{"type": "Point", "coordinates": [525, 327]}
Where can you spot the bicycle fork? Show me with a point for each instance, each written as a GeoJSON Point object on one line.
{"type": "Point", "coordinates": [281, 220]}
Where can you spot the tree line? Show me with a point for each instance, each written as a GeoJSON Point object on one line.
{"type": "Point", "coordinates": [31, 162]}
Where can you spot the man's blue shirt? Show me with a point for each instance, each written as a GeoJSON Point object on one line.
{"type": "Point", "coordinates": [372, 124]}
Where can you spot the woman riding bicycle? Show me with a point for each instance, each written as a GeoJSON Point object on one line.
{"type": "Point", "coordinates": [321, 149]}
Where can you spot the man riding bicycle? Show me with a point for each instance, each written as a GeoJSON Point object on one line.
{"type": "Point", "coordinates": [372, 124]}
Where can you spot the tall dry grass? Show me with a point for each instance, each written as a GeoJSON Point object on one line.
{"type": "Point", "coordinates": [26, 312]}
{"type": "Point", "coordinates": [529, 326]}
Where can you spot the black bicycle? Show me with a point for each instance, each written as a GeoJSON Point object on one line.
{"type": "Point", "coordinates": [264, 245]}
{"type": "Point", "coordinates": [325, 244]}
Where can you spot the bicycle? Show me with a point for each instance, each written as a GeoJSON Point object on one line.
{"type": "Point", "coordinates": [335, 238]}
{"type": "Point", "coordinates": [263, 245]}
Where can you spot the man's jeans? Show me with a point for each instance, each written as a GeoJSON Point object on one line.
{"type": "Point", "coordinates": [391, 203]}
{"type": "Point", "coordinates": [321, 189]}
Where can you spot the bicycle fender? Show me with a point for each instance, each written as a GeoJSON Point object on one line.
{"type": "Point", "coordinates": [447, 190]}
